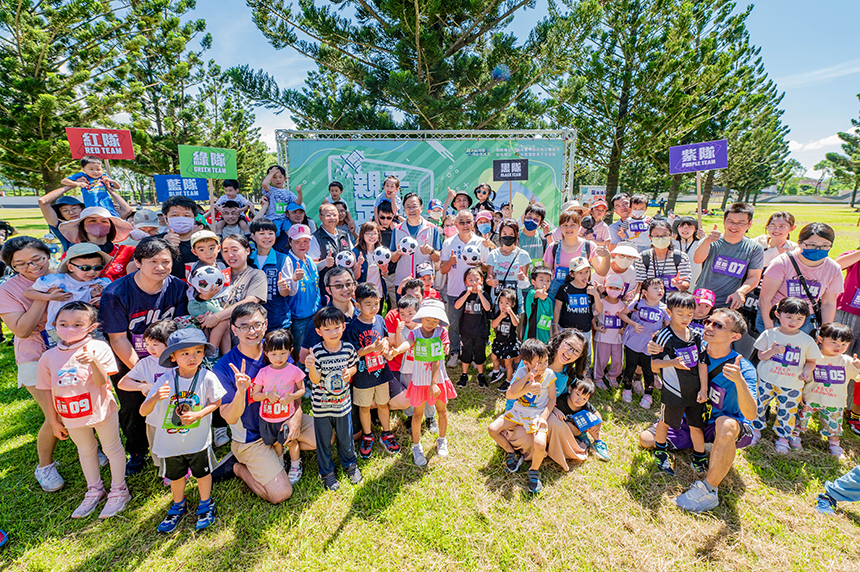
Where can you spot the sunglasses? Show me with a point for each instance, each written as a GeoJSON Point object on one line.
{"type": "Point", "coordinates": [714, 324]}
{"type": "Point", "coordinates": [97, 267]}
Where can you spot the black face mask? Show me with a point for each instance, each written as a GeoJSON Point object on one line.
{"type": "Point", "coordinates": [507, 240]}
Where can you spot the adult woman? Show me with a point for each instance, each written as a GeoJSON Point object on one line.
{"type": "Point", "coordinates": [344, 221]}
{"type": "Point", "coordinates": [567, 358]}
{"type": "Point", "coordinates": [508, 265]}
{"type": "Point", "coordinates": [57, 208]}
{"type": "Point", "coordinates": [559, 254]}
{"type": "Point", "coordinates": [821, 274]}
{"type": "Point", "coordinates": [301, 288]}
{"type": "Point", "coordinates": [775, 242]}
{"type": "Point", "coordinates": [247, 284]}
{"type": "Point", "coordinates": [30, 259]}
{"type": "Point", "coordinates": [97, 226]}
{"type": "Point", "coordinates": [366, 270]}
{"type": "Point", "coordinates": [663, 261]}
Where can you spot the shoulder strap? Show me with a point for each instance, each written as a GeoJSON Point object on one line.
{"type": "Point", "coordinates": [587, 249]}
{"type": "Point", "coordinates": [646, 261]}
{"type": "Point", "coordinates": [816, 307]}
{"type": "Point", "coordinates": [676, 256]}
{"type": "Point", "coordinates": [717, 370]}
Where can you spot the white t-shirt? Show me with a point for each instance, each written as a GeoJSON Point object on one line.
{"type": "Point", "coordinates": [782, 369]}
{"type": "Point", "coordinates": [148, 370]}
{"type": "Point", "coordinates": [771, 252]}
{"type": "Point", "coordinates": [829, 385]}
{"type": "Point", "coordinates": [501, 266]}
{"type": "Point", "coordinates": [628, 277]}
{"type": "Point", "coordinates": [171, 440]}
{"type": "Point", "coordinates": [80, 291]}
{"type": "Point", "coordinates": [531, 405]}
{"type": "Point", "coordinates": [454, 246]}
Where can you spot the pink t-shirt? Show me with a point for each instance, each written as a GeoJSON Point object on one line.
{"type": "Point", "coordinates": [12, 299]}
{"type": "Point", "coordinates": [826, 277]}
{"type": "Point", "coordinates": [283, 382]}
{"type": "Point", "coordinates": [611, 322]}
{"type": "Point", "coordinates": [849, 300]}
{"type": "Point", "coordinates": [79, 401]}
{"type": "Point", "coordinates": [564, 258]}
{"type": "Point", "coordinates": [600, 232]}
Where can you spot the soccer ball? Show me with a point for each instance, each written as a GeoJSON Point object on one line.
{"type": "Point", "coordinates": [407, 245]}
{"type": "Point", "coordinates": [380, 256]}
{"type": "Point", "coordinates": [345, 259]}
{"type": "Point", "coordinates": [471, 254]}
{"type": "Point", "coordinates": [205, 276]}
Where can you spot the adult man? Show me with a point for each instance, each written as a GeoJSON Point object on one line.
{"type": "Point", "coordinates": [732, 384]}
{"type": "Point", "coordinates": [257, 464]}
{"type": "Point", "coordinates": [621, 210]}
{"type": "Point", "coordinates": [425, 233]}
{"type": "Point", "coordinates": [327, 241]}
{"type": "Point", "coordinates": [456, 268]}
{"type": "Point", "coordinates": [128, 306]}
{"type": "Point", "coordinates": [340, 285]}
{"type": "Point", "coordinates": [180, 212]}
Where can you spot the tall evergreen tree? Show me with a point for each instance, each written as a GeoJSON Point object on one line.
{"type": "Point", "coordinates": [849, 163]}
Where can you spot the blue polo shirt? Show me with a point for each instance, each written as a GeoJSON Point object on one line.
{"type": "Point", "coordinates": [247, 428]}
{"type": "Point", "coordinates": [722, 393]}
{"type": "Point", "coordinates": [277, 308]}
{"type": "Point", "coordinates": [306, 302]}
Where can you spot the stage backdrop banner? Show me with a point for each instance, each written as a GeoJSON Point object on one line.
{"type": "Point", "coordinates": [427, 167]}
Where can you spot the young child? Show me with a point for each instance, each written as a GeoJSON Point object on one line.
{"type": "Point", "coordinates": [75, 377]}
{"type": "Point", "coordinates": [331, 364]}
{"type": "Point", "coordinates": [485, 196]}
{"type": "Point", "coordinates": [635, 228]}
{"type": "Point", "coordinates": [506, 346]}
{"type": "Point", "coordinates": [687, 239]}
{"type": "Point", "coordinates": [538, 305]}
{"type": "Point", "coordinates": [367, 334]}
{"type": "Point", "coordinates": [608, 349]}
{"type": "Point", "coordinates": [533, 390]}
{"type": "Point", "coordinates": [577, 301]}
{"type": "Point", "coordinates": [147, 372]}
{"type": "Point", "coordinates": [231, 193]}
{"type": "Point", "coordinates": [335, 192]}
{"type": "Point", "coordinates": [844, 489]}
{"type": "Point", "coordinates": [430, 383]}
{"type": "Point", "coordinates": [77, 279]}
{"type": "Point", "coordinates": [599, 233]}
{"type": "Point", "coordinates": [277, 196]}
{"type": "Point", "coordinates": [435, 210]}
{"type": "Point", "coordinates": [427, 275]}
{"type": "Point", "coordinates": [705, 300]}
{"type": "Point", "coordinates": [94, 184]}
{"type": "Point", "coordinates": [279, 387]}
{"type": "Point", "coordinates": [206, 297]}
{"type": "Point", "coordinates": [474, 326]}
{"type": "Point", "coordinates": [574, 407]}
{"type": "Point", "coordinates": [180, 405]}
{"type": "Point", "coordinates": [788, 357]}
{"type": "Point", "coordinates": [827, 392]}
{"type": "Point", "coordinates": [685, 382]}
{"type": "Point", "coordinates": [644, 317]}
{"type": "Point", "coordinates": [231, 220]}
{"type": "Point", "coordinates": [391, 194]}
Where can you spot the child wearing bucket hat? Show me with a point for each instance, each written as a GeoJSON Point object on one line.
{"type": "Point", "coordinates": [180, 405]}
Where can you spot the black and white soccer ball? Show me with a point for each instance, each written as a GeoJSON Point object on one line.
{"type": "Point", "coordinates": [407, 245]}
{"type": "Point", "coordinates": [205, 277]}
{"type": "Point", "coordinates": [344, 259]}
{"type": "Point", "coordinates": [471, 254]}
{"type": "Point", "coordinates": [381, 256]}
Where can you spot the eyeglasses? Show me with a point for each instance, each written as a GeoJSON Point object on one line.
{"type": "Point", "coordinates": [464, 222]}
{"type": "Point", "coordinates": [35, 263]}
{"type": "Point", "coordinates": [816, 246]}
{"type": "Point", "coordinates": [97, 267]}
{"type": "Point", "coordinates": [256, 326]}
{"type": "Point", "coordinates": [714, 324]}
{"type": "Point", "coordinates": [567, 346]}
{"type": "Point", "coordinates": [736, 223]}
{"type": "Point", "coordinates": [778, 226]}
{"type": "Point", "coordinates": [346, 285]}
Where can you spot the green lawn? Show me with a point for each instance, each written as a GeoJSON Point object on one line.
{"type": "Point", "coordinates": [461, 513]}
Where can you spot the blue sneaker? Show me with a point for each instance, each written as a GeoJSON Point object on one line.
{"type": "Point", "coordinates": [174, 514]}
{"type": "Point", "coordinates": [513, 462]}
{"type": "Point", "coordinates": [826, 505]}
{"type": "Point", "coordinates": [601, 450]}
{"type": "Point", "coordinates": [205, 515]}
{"type": "Point", "coordinates": [535, 486]}
{"type": "Point", "coordinates": [698, 498]}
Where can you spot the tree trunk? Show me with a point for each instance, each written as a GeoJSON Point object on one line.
{"type": "Point", "coordinates": [707, 187]}
{"type": "Point", "coordinates": [755, 197]}
{"type": "Point", "coordinates": [725, 198]}
{"type": "Point", "coordinates": [673, 192]}
{"type": "Point", "coordinates": [854, 193]}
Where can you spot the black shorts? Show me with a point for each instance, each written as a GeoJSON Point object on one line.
{"type": "Point", "coordinates": [506, 348]}
{"type": "Point", "coordinates": [695, 414]}
{"type": "Point", "coordinates": [395, 386]}
{"type": "Point", "coordinates": [272, 433]}
{"type": "Point", "coordinates": [473, 350]}
{"type": "Point", "coordinates": [200, 463]}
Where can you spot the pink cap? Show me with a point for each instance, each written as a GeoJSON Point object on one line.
{"type": "Point", "coordinates": [484, 214]}
{"type": "Point", "coordinates": [299, 231]}
{"type": "Point", "coordinates": [704, 296]}
{"type": "Point", "coordinates": [615, 281]}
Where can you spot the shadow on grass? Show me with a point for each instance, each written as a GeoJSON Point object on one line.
{"type": "Point", "coordinates": [794, 471]}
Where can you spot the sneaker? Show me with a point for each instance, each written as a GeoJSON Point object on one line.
{"type": "Point", "coordinates": [354, 474]}
{"type": "Point", "coordinates": [826, 505]}
{"type": "Point", "coordinates": [698, 498]}
{"type": "Point", "coordinates": [389, 443]}
{"type": "Point", "coordinates": [646, 401]}
{"type": "Point", "coordinates": [453, 360]}
{"type": "Point", "coordinates": [174, 514]}
{"type": "Point", "coordinates": [699, 466]}
{"type": "Point", "coordinates": [366, 447]}
{"type": "Point", "coordinates": [637, 386]}
{"type": "Point", "coordinates": [220, 437]}
{"type": "Point", "coordinates": [134, 465]}
{"type": "Point", "coordinates": [165, 481]}
{"type": "Point", "coordinates": [664, 462]}
{"type": "Point", "coordinates": [442, 447]}
{"type": "Point", "coordinates": [3, 538]}
{"type": "Point", "coordinates": [418, 455]}
{"type": "Point", "coordinates": [463, 381]}
{"type": "Point", "coordinates": [627, 396]}
{"type": "Point", "coordinates": [585, 440]}
{"type": "Point", "coordinates": [837, 451]}
{"type": "Point", "coordinates": [658, 382]}
{"type": "Point", "coordinates": [116, 501]}
{"type": "Point", "coordinates": [205, 515]}
{"type": "Point", "coordinates": [601, 450]}
{"type": "Point", "coordinates": [781, 446]}
{"type": "Point", "coordinates": [613, 383]}
{"type": "Point", "coordinates": [295, 473]}
{"type": "Point", "coordinates": [535, 486]}
{"type": "Point", "coordinates": [503, 387]}
{"type": "Point", "coordinates": [497, 375]}
{"type": "Point", "coordinates": [482, 380]}
{"type": "Point", "coordinates": [330, 482]}
{"type": "Point", "coordinates": [224, 469]}
{"type": "Point", "coordinates": [513, 462]}
{"type": "Point", "coordinates": [854, 422]}
{"type": "Point", "coordinates": [92, 498]}
{"type": "Point", "coordinates": [600, 385]}
{"type": "Point", "coordinates": [756, 436]}
{"type": "Point", "coordinates": [432, 425]}
{"type": "Point", "coordinates": [794, 443]}
{"type": "Point", "coordinates": [49, 478]}
{"type": "Point", "coordinates": [103, 460]}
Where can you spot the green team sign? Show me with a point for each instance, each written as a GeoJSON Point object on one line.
{"type": "Point", "coordinates": [427, 167]}
{"type": "Point", "coordinates": [207, 162]}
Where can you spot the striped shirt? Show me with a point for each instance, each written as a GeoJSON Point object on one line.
{"type": "Point", "coordinates": [680, 386]}
{"type": "Point", "coordinates": [658, 268]}
{"type": "Point", "coordinates": [330, 397]}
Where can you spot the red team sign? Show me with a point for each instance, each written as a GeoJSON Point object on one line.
{"type": "Point", "coordinates": [102, 143]}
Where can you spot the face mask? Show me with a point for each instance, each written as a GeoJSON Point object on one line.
{"type": "Point", "coordinates": [484, 228]}
{"type": "Point", "coordinates": [530, 225]}
{"type": "Point", "coordinates": [637, 214]}
{"type": "Point", "coordinates": [623, 262]}
{"type": "Point", "coordinates": [661, 241]}
{"type": "Point", "coordinates": [137, 234]}
{"type": "Point", "coordinates": [181, 224]}
{"type": "Point", "coordinates": [449, 231]}
{"type": "Point", "coordinates": [97, 230]}
{"type": "Point", "coordinates": [71, 335]}
{"type": "Point", "coordinates": [435, 215]}
{"type": "Point", "coordinates": [507, 240]}
{"type": "Point", "coordinates": [815, 255]}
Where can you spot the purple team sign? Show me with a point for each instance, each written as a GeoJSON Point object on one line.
{"type": "Point", "coordinates": [698, 157]}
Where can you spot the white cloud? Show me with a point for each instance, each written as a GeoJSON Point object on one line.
{"type": "Point", "coordinates": [820, 75]}
{"type": "Point", "coordinates": [831, 141]}
{"type": "Point", "coordinates": [795, 145]}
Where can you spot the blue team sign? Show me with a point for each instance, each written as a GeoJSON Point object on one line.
{"type": "Point", "coordinates": [705, 156]}
{"type": "Point", "coordinates": [167, 186]}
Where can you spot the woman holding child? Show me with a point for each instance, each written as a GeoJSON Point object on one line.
{"type": "Point", "coordinates": [97, 226]}
{"type": "Point", "coordinates": [247, 284]}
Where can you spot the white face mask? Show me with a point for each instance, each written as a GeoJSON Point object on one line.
{"type": "Point", "coordinates": [637, 214]}
{"type": "Point", "coordinates": [661, 241]}
{"type": "Point", "coordinates": [623, 262]}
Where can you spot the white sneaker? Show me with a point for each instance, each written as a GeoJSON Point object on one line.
{"type": "Point", "coordinates": [49, 478]}
{"type": "Point", "coordinates": [103, 460]}
{"type": "Point", "coordinates": [116, 501]}
{"type": "Point", "coordinates": [837, 451]}
{"type": "Point", "coordinates": [92, 498]}
{"type": "Point", "coordinates": [453, 360]}
{"type": "Point", "coordinates": [220, 436]}
{"type": "Point", "coordinates": [295, 473]}
{"type": "Point", "coordinates": [418, 455]}
{"type": "Point", "coordinates": [442, 447]}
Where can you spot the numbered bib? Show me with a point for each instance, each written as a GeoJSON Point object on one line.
{"type": "Point", "coordinates": [638, 226]}
{"type": "Point", "coordinates": [544, 323]}
{"type": "Point", "coordinates": [728, 266]}
{"type": "Point", "coordinates": [577, 300]}
{"type": "Point", "coordinates": [611, 322]}
{"type": "Point", "coordinates": [689, 356]}
{"type": "Point", "coordinates": [139, 345]}
{"type": "Point", "coordinates": [717, 396]}
{"type": "Point", "coordinates": [829, 374]}
{"type": "Point", "coordinates": [696, 327]}
{"type": "Point", "coordinates": [561, 273]}
{"type": "Point", "coordinates": [667, 283]}
{"type": "Point", "coordinates": [790, 356]}
{"type": "Point", "coordinates": [281, 208]}
{"type": "Point", "coordinates": [585, 420]}
{"type": "Point", "coordinates": [74, 407]}
{"type": "Point", "coordinates": [272, 411]}
{"type": "Point", "coordinates": [504, 329]}
{"type": "Point", "coordinates": [650, 315]}
{"type": "Point", "coordinates": [374, 361]}
{"type": "Point", "coordinates": [428, 349]}
{"type": "Point", "coordinates": [795, 288]}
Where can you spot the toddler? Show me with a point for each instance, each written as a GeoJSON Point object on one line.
{"type": "Point", "coordinates": [94, 184]}
{"type": "Point", "coordinates": [209, 290]}
{"type": "Point", "coordinates": [608, 349]}
{"type": "Point", "coordinates": [538, 305]}
{"type": "Point", "coordinates": [644, 318]}
{"type": "Point", "coordinates": [279, 387]}
{"type": "Point", "coordinates": [506, 346]}
{"type": "Point", "coordinates": [231, 193]}
{"type": "Point", "coordinates": [277, 196]}
{"type": "Point", "coordinates": [599, 232]}
{"type": "Point", "coordinates": [474, 326]}
{"type": "Point", "coordinates": [788, 357]}
{"type": "Point", "coordinates": [574, 407]}
{"type": "Point", "coordinates": [231, 220]}
{"type": "Point", "coordinates": [636, 227]}
{"type": "Point", "coordinates": [705, 300]}
{"type": "Point", "coordinates": [391, 194]}
{"type": "Point", "coordinates": [427, 275]}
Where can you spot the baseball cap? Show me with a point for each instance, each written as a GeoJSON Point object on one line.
{"type": "Point", "coordinates": [434, 204]}
{"type": "Point", "coordinates": [425, 269]}
{"type": "Point", "coordinates": [203, 234]}
{"type": "Point", "coordinates": [579, 263]}
{"type": "Point", "coordinates": [299, 231]}
{"type": "Point", "coordinates": [484, 214]}
{"type": "Point", "coordinates": [145, 218]}
{"type": "Point", "coordinates": [296, 207]}
{"type": "Point", "coordinates": [705, 296]}
{"type": "Point", "coordinates": [615, 281]}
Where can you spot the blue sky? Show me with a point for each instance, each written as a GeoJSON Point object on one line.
{"type": "Point", "coordinates": [808, 48]}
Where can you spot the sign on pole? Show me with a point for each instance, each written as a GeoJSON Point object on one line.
{"type": "Point", "coordinates": [208, 162]}
{"type": "Point", "coordinates": [590, 193]}
{"type": "Point", "coordinates": [511, 170]}
{"type": "Point", "coordinates": [172, 185]}
{"type": "Point", "coordinates": [101, 143]}
{"type": "Point", "coordinates": [698, 157]}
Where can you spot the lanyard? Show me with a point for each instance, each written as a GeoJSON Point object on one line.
{"type": "Point", "coordinates": [176, 383]}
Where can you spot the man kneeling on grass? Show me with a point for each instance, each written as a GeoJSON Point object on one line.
{"type": "Point", "coordinates": [730, 408]}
